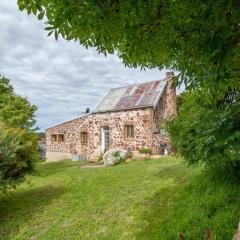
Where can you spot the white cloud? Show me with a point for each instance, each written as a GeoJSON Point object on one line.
{"type": "Point", "coordinates": [62, 78]}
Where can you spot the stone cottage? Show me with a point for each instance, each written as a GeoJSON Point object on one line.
{"type": "Point", "coordinates": [128, 117]}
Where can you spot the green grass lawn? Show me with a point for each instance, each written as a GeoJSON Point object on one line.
{"type": "Point", "coordinates": [147, 199]}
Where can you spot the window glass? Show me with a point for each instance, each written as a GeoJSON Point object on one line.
{"type": "Point", "coordinates": [129, 131]}
{"type": "Point", "coordinates": [60, 138]}
{"type": "Point", "coordinates": [57, 138]}
{"type": "Point", "coordinates": [84, 138]}
{"type": "Point", "coordinates": [54, 137]}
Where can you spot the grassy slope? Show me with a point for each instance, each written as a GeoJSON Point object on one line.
{"type": "Point", "coordinates": [150, 199]}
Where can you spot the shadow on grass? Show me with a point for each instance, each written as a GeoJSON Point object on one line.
{"type": "Point", "coordinates": [47, 169]}
{"type": "Point", "coordinates": [18, 208]}
{"type": "Point", "coordinates": [191, 206]}
{"type": "Point", "coordinates": [158, 214]}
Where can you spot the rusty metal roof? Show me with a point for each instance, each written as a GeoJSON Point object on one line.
{"type": "Point", "coordinates": [133, 96]}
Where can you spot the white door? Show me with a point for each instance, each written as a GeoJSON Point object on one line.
{"type": "Point", "coordinates": [105, 139]}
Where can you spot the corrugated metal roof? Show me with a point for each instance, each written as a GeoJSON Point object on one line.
{"type": "Point", "coordinates": [134, 96]}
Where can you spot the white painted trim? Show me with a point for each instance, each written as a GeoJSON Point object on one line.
{"type": "Point", "coordinates": [103, 143]}
{"type": "Point", "coordinates": [84, 115]}
{"type": "Point", "coordinates": [159, 95]}
{"type": "Point", "coordinates": [103, 140]}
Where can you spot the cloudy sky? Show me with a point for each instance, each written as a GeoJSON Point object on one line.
{"type": "Point", "coordinates": [62, 78]}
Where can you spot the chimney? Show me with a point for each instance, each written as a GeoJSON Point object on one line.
{"type": "Point", "coordinates": [169, 76]}
{"type": "Point", "coordinates": [170, 97]}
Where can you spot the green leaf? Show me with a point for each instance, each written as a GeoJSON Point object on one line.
{"type": "Point", "coordinates": [40, 15]}
{"type": "Point", "coordinates": [56, 35]}
{"type": "Point", "coordinates": [34, 9]}
{"type": "Point", "coordinates": [29, 10]}
{"type": "Point", "coordinates": [21, 6]}
{"type": "Point", "coordinates": [49, 28]}
{"type": "Point", "coordinates": [48, 13]}
{"type": "Point", "coordinates": [50, 33]}
{"type": "Point", "coordinates": [39, 7]}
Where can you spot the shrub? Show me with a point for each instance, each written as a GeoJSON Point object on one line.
{"type": "Point", "coordinates": [145, 150]}
{"type": "Point", "coordinates": [100, 158]}
{"type": "Point", "coordinates": [18, 154]}
{"type": "Point", "coordinates": [113, 157]}
{"type": "Point", "coordinates": [208, 135]}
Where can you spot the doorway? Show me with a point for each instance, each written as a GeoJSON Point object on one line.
{"type": "Point", "coordinates": [105, 139]}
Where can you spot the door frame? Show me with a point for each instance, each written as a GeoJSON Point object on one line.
{"type": "Point", "coordinates": [103, 142]}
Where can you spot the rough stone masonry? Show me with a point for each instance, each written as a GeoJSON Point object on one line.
{"type": "Point", "coordinates": [127, 118]}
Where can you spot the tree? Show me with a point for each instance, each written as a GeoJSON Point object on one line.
{"type": "Point", "coordinates": [207, 136]}
{"type": "Point", "coordinates": [18, 155]}
{"type": "Point", "coordinates": [15, 111]}
{"type": "Point", "coordinates": [201, 39]}
{"type": "Point", "coordinates": [18, 142]}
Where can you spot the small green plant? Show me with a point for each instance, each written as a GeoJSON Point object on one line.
{"type": "Point", "coordinates": [145, 150]}
{"type": "Point", "coordinates": [116, 154]}
{"type": "Point", "coordinates": [100, 158]}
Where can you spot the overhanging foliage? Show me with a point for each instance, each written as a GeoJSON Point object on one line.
{"type": "Point", "coordinates": [199, 38]}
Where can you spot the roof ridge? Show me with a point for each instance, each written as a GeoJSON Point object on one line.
{"type": "Point", "coordinates": [136, 84]}
{"type": "Point", "coordinates": [69, 120]}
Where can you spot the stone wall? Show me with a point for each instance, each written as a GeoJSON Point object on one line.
{"type": "Point", "coordinates": [159, 114]}
{"type": "Point", "coordinates": [170, 105]}
{"type": "Point", "coordinates": [92, 124]}
{"type": "Point", "coordinates": [165, 109]}
{"type": "Point", "coordinates": [166, 106]}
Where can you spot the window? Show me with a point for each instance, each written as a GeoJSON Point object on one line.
{"type": "Point", "coordinates": [57, 138]}
{"type": "Point", "coordinates": [84, 138]}
{"type": "Point", "coordinates": [60, 138]}
{"type": "Point", "coordinates": [129, 131]}
{"type": "Point", "coordinates": [54, 138]}
{"type": "Point", "coordinates": [105, 138]}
